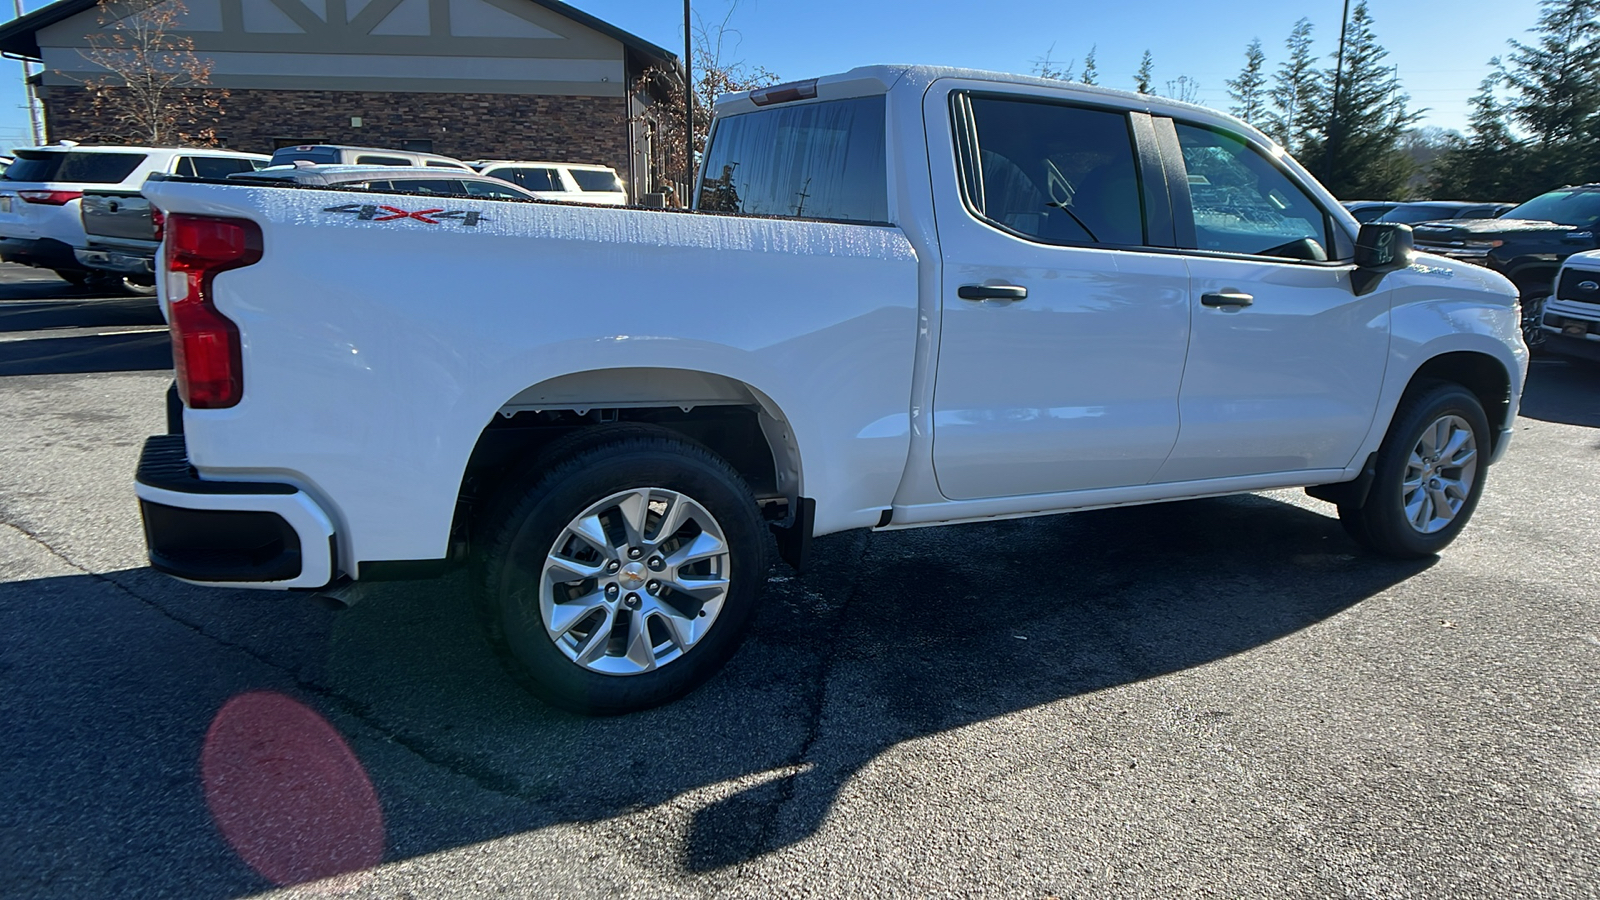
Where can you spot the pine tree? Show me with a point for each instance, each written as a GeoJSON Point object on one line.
{"type": "Point", "coordinates": [1483, 165]}
{"type": "Point", "coordinates": [1045, 67]}
{"type": "Point", "coordinates": [1091, 72]}
{"type": "Point", "coordinates": [1556, 80]}
{"type": "Point", "coordinates": [1353, 148]}
{"type": "Point", "coordinates": [1144, 79]}
{"type": "Point", "coordinates": [1295, 88]}
{"type": "Point", "coordinates": [1249, 90]}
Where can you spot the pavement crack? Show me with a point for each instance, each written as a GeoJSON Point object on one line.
{"type": "Point", "coordinates": [817, 704]}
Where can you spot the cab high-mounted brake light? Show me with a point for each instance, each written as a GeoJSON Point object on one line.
{"type": "Point", "coordinates": [50, 198]}
{"type": "Point", "coordinates": [785, 93]}
{"type": "Point", "coordinates": [205, 343]}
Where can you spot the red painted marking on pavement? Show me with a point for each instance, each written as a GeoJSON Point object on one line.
{"type": "Point", "coordinates": [286, 791]}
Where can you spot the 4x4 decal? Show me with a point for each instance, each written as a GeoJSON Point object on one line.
{"type": "Point", "coordinates": [374, 213]}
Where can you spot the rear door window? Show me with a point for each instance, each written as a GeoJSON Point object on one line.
{"type": "Point", "coordinates": [816, 161]}
{"type": "Point", "coordinates": [1054, 173]}
{"type": "Point", "coordinates": [596, 180]}
{"type": "Point", "coordinates": [534, 178]}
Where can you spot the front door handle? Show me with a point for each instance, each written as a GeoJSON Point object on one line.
{"type": "Point", "coordinates": [992, 292]}
{"type": "Point", "coordinates": [1226, 298]}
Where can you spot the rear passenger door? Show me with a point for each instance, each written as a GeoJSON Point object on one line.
{"type": "Point", "coordinates": [1065, 313]}
{"type": "Point", "coordinates": [1285, 361]}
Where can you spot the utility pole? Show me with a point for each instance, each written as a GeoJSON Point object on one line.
{"type": "Point", "coordinates": [27, 87]}
{"type": "Point", "coordinates": [1333, 113]}
{"type": "Point", "coordinates": [688, 103]}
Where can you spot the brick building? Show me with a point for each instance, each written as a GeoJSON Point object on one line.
{"type": "Point", "coordinates": [501, 79]}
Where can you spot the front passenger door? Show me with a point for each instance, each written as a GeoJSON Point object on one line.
{"type": "Point", "coordinates": [1285, 361]}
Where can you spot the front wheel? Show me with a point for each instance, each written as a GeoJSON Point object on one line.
{"type": "Point", "coordinates": [623, 577]}
{"type": "Point", "coordinates": [1429, 475]}
{"type": "Point", "coordinates": [1532, 321]}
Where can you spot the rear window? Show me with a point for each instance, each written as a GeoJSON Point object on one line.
{"type": "Point", "coordinates": [596, 180]}
{"type": "Point", "coordinates": [429, 186]}
{"type": "Point", "coordinates": [382, 161]}
{"type": "Point", "coordinates": [290, 155]}
{"type": "Point", "coordinates": [818, 161]}
{"type": "Point", "coordinates": [532, 178]}
{"type": "Point", "coordinates": [34, 167]}
{"type": "Point", "coordinates": [74, 166]}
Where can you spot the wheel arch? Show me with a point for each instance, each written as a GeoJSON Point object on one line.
{"type": "Point", "coordinates": [732, 418]}
{"type": "Point", "coordinates": [1482, 374]}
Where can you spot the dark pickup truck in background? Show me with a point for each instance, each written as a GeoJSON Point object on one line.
{"type": "Point", "coordinates": [1527, 244]}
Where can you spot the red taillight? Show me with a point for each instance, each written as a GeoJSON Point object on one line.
{"type": "Point", "coordinates": [158, 221]}
{"type": "Point", "coordinates": [205, 343]}
{"type": "Point", "coordinates": [50, 198]}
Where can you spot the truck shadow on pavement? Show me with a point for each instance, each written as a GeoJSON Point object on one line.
{"type": "Point", "coordinates": [890, 638]}
{"type": "Point", "coordinates": [1563, 391]}
{"type": "Point", "coordinates": [56, 336]}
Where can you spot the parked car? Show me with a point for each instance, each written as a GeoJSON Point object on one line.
{"type": "Point", "coordinates": [1571, 320]}
{"type": "Point", "coordinates": [124, 234]}
{"type": "Point", "coordinates": [1527, 244]}
{"type": "Point", "coordinates": [566, 182]}
{"type": "Point", "coordinates": [452, 182]}
{"type": "Point", "coordinates": [344, 155]}
{"type": "Point", "coordinates": [909, 297]}
{"type": "Point", "coordinates": [41, 220]}
{"type": "Point", "coordinates": [1436, 210]}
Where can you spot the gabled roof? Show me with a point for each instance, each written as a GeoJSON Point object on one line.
{"type": "Point", "coordinates": [20, 36]}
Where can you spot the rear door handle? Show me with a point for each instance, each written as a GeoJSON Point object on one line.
{"type": "Point", "coordinates": [1226, 298]}
{"type": "Point", "coordinates": [992, 292]}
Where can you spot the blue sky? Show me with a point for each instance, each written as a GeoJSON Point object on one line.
{"type": "Point", "coordinates": [1442, 51]}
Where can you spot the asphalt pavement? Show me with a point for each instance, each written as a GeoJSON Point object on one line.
{"type": "Point", "coordinates": [1215, 698]}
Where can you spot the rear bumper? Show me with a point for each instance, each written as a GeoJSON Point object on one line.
{"type": "Point", "coordinates": [230, 533]}
{"type": "Point", "coordinates": [120, 261]}
{"type": "Point", "coordinates": [46, 253]}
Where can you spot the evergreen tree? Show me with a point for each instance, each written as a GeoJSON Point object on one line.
{"type": "Point", "coordinates": [1484, 165]}
{"type": "Point", "coordinates": [1295, 87]}
{"type": "Point", "coordinates": [1091, 72]}
{"type": "Point", "coordinates": [1556, 80]}
{"type": "Point", "coordinates": [1045, 67]}
{"type": "Point", "coordinates": [1249, 90]}
{"type": "Point", "coordinates": [1354, 145]}
{"type": "Point", "coordinates": [1144, 79]}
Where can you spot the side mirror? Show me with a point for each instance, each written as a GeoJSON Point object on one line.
{"type": "Point", "coordinates": [1381, 248]}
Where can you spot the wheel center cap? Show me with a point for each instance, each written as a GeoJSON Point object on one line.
{"type": "Point", "coordinates": [633, 576]}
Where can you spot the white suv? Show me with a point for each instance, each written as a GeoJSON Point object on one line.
{"type": "Point", "coordinates": [569, 182]}
{"type": "Point", "coordinates": [40, 193]}
{"type": "Point", "coordinates": [1571, 319]}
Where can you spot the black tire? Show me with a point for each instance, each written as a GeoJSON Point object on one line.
{"type": "Point", "coordinates": [1532, 320]}
{"type": "Point", "coordinates": [74, 277]}
{"type": "Point", "coordinates": [1381, 525]}
{"type": "Point", "coordinates": [535, 513]}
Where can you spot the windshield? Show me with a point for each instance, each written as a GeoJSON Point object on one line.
{"type": "Point", "coordinates": [1412, 214]}
{"type": "Point", "coordinates": [1577, 208]}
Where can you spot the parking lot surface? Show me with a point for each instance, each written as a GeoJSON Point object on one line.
{"type": "Point", "coordinates": [1210, 698]}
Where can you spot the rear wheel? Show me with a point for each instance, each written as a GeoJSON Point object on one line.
{"type": "Point", "coordinates": [1429, 475]}
{"type": "Point", "coordinates": [623, 577]}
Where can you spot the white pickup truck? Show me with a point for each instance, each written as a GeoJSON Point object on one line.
{"type": "Point", "coordinates": [908, 296]}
